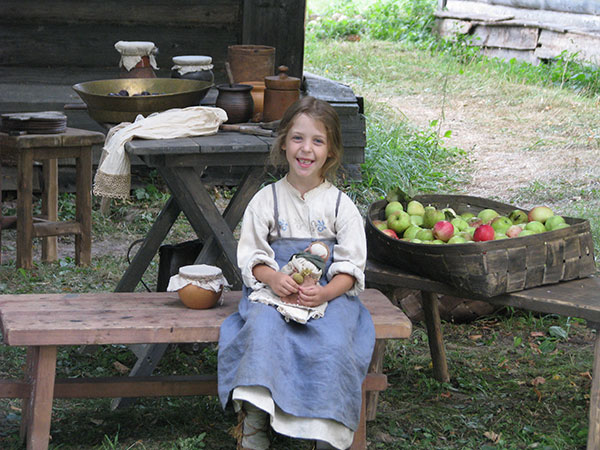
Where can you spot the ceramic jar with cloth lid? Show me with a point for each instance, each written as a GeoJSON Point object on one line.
{"type": "Point", "coordinates": [281, 91]}
{"type": "Point", "coordinates": [193, 67]}
{"type": "Point", "coordinates": [137, 59]}
{"type": "Point", "coordinates": [199, 285]}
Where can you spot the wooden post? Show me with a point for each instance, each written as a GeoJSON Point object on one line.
{"type": "Point", "coordinates": [360, 435]}
{"type": "Point", "coordinates": [25, 210]}
{"type": "Point", "coordinates": [376, 366]}
{"type": "Point", "coordinates": [50, 206]}
{"type": "Point", "coordinates": [593, 441]}
{"type": "Point", "coordinates": [83, 207]}
{"type": "Point", "coordinates": [434, 333]}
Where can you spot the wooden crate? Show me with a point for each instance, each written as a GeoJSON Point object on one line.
{"type": "Point", "coordinates": [486, 269]}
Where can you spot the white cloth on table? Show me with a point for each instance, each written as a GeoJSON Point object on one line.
{"type": "Point", "coordinates": [113, 176]}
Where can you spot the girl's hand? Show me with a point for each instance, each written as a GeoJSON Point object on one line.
{"type": "Point", "coordinates": [282, 284]}
{"type": "Point", "coordinates": [312, 296]}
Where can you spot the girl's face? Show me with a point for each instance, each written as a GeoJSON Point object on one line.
{"type": "Point", "coordinates": [306, 150]}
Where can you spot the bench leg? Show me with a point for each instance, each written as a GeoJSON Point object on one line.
{"type": "Point", "coordinates": [50, 207]}
{"type": "Point", "coordinates": [376, 366]}
{"type": "Point", "coordinates": [37, 409]}
{"type": "Point", "coordinates": [434, 333]}
{"type": "Point", "coordinates": [593, 441]}
{"type": "Point", "coordinates": [360, 435]}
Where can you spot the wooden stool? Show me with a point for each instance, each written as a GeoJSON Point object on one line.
{"type": "Point", "coordinates": [49, 148]}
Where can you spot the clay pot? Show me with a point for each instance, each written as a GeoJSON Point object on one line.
{"type": "Point", "coordinates": [281, 91]}
{"type": "Point", "coordinates": [195, 297]}
{"type": "Point", "coordinates": [143, 69]}
{"type": "Point", "coordinates": [258, 97]}
{"type": "Point", "coordinates": [237, 102]}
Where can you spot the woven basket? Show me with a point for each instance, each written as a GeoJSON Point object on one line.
{"type": "Point", "coordinates": [486, 269]}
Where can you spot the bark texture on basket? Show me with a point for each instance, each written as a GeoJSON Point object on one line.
{"type": "Point", "coordinates": [452, 309]}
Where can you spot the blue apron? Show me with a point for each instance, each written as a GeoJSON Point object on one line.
{"type": "Point", "coordinates": [312, 370]}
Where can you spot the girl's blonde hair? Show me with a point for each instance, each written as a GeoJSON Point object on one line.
{"type": "Point", "coordinates": [320, 111]}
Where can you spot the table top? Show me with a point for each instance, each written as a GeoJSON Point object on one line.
{"type": "Point", "coordinates": [226, 148]}
{"type": "Point", "coordinates": [575, 298]}
{"type": "Point", "coordinates": [142, 318]}
{"type": "Point", "coordinates": [72, 137]}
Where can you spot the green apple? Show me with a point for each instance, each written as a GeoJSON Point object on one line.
{"type": "Point", "coordinates": [380, 224]}
{"type": "Point", "coordinates": [535, 226]}
{"type": "Point", "coordinates": [411, 231]}
{"type": "Point", "coordinates": [425, 235]}
{"type": "Point", "coordinates": [540, 214]}
{"type": "Point", "coordinates": [467, 215]}
{"type": "Point", "coordinates": [416, 220]}
{"type": "Point", "coordinates": [415, 208]}
{"type": "Point", "coordinates": [487, 215]}
{"type": "Point", "coordinates": [437, 242]}
{"type": "Point", "coordinates": [398, 221]}
{"type": "Point", "coordinates": [466, 235]}
{"type": "Point", "coordinates": [416, 241]}
{"type": "Point", "coordinates": [500, 236]}
{"type": "Point", "coordinates": [432, 216]}
{"type": "Point", "coordinates": [392, 207]}
{"type": "Point", "coordinates": [459, 223]}
{"type": "Point", "coordinates": [560, 226]}
{"type": "Point", "coordinates": [457, 240]}
{"type": "Point", "coordinates": [501, 223]}
{"type": "Point", "coordinates": [552, 222]}
{"type": "Point", "coordinates": [471, 230]}
{"type": "Point", "coordinates": [517, 216]}
{"type": "Point", "coordinates": [526, 233]}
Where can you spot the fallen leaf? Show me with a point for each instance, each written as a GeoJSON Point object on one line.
{"type": "Point", "coordinates": [556, 377]}
{"type": "Point", "coordinates": [121, 368]}
{"type": "Point", "coordinates": [494, 437]}
{"type": "Point", "coordinates": [474, 337]}
{"type": "Point", "coordinates": [15, 408]}
{"type": "Point", "coordinates": [538, 393]}
{"type": "Point", "coordinates": [538, 380]}
{"type": "Point", "coordinates": [446, 395]}
{"type": "Point", "coordinates": [537, 334]}
{"type": "Point", "coordinates": [586, 375]}
{"type": "Point", "coordinates": [97, 421]}
{"type": "Point", "coordinates": [418, 367]}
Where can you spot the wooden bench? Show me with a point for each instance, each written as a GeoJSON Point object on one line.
{"type": "Point", "coordinates": [576, 298]}
{"type": "Point", "coordinates": [41, 322]}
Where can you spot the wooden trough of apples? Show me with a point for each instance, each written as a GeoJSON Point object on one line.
{"type": "Point", "coordinates": [490, 268]}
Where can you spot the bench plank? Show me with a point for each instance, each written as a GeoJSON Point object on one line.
{"type": "Point", "coordinates": [143, 318]}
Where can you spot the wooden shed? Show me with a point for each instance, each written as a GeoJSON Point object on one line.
{"type": "Point", "coordinates": [48, 46]}
{"type": "Point", "coordinates": [527, 30]}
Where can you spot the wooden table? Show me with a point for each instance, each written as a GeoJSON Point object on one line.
{"type": "Point", "coordinates": [577, 298]}
{"type": "Point", "coordinates": [41, 322]}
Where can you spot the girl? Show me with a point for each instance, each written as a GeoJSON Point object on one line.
{"type": "Point", "coordinates": [304, 380]}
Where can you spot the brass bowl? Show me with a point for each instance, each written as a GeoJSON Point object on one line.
{"type": "Point", "coordinates": [172, 93]}
{"type": "Point", "coordinates": [195, 297]}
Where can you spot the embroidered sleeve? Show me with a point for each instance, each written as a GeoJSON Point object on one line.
{"type": "Point", "coordinates": [350, 251]}
{"type": "Point", "coordinates": [253, 246]}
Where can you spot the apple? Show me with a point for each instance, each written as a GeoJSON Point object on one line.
{"type": "Point", "coordinates": [540, 214]}
{"type": "Point", "coordinates": [411, 232]}
{"type": "Point", "coordinates": [380, 224]}
{"type": "Point", "coordinates": [416, 241]}
{"type": "Point", "coordinates": [443, 230]}
{"type": "Point", "coordinates": [393, 207]}
{"type": "Point", "coordinates": [457, 240]}
{"type": "Point", "coordinates": [483, 233]}
{"type": "Point", "coordinates": [390, 233]}
{"type": "Point", "coordinates": [517, 216]}
{"type": "Point", "coordinates": [467, 215]}
{"type": "Point", "coordinates": [526, 233]}
{"type": "Point", "coordinates": [435, 241]}
{"type": "Point", "coordinates": [552, 222]}
{"type": "Point", "coordinates": [425, 235]}
{"type": "Point", "coordinates": [471, 230]}
{"type": "Point", "coordinates": [514, 231]}
{"type": "Point", "coordinates": [486, 215]}
{"type": "Point", "coordinates": [474, 222]}
{"type": "Point", "coordinates": [398, 221]}
{"type": "Point", "coordinates": [466, 235]}
{"type": "Point", "coordinates": [459, 223]}
{"type": "Point", "coordinates": [416, 220]}
{"type": "Point", "coordinates": [501, 224]}
{"type": "Point", "coordinates": [535, 226]}
{"type": "Point", "coordinates": [432, 216]}
{"type": "Point", "coordinates": [560, 226]}
{"type": "Point", "coordinates": [415, 208]}
{"type": "Point", "coordinates": [498, 236]}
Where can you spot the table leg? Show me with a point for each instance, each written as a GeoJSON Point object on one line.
{"type": "Point", "coordinates": [83, 207]}
{"type": "Point", "coordinates": [42, 373]}
{"type": "Point", "coordinates": [434, 333]}
{"type": "Point", "coordinates": [50, 206]}
{"type": "Point", "coordinates": [154, 238]}
{"type": "Point", "coordinates": [25, 210]}
{"type": "Point", "coordinates": [593, 441]}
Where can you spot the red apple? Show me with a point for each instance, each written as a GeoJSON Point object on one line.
{"type": "Point", "coordinates": [390, 233]}
{"type": "Point", "coordinates": [484, 233]}
{"type": "Point", "coordinates": [513, 231]}
{"type": "Point", "coordinates": [443, 230]}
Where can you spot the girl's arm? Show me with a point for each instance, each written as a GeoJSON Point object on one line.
{"type": "Point", "coordinates": [282, 284]}
{"type": "Point", "coordinates": [317, 294]}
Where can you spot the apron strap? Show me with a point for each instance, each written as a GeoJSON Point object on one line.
{"type": "Point", "coordinates": [337, 203]}
{"type": "Point", "coordinates": [276, 210]}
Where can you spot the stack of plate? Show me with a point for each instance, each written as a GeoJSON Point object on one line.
{"type": "Point", "coordinates": [44, 122]}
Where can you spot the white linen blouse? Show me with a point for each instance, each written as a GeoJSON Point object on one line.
{"type": "Point", "coordinates": [312, 216]}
